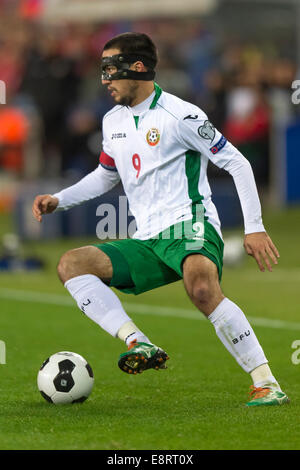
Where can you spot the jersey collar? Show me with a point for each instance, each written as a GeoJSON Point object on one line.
{"type": "Point", "coordinates": [144, 105]}
{"type": "Point", "coordinates": [149, 102]}
{"type": "Point", "coordinates": [158, 92]}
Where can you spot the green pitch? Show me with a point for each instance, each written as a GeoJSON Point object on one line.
{"type": "Point", "coordinates": [197, 403]}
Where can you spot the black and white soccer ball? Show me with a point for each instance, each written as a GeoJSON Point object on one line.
{"type": "Point", "coordinates": [65, 377]}
{"type": "Point", "coordinates": [152, 136]}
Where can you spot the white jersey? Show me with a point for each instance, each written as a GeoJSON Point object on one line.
{"type": "Point", "coordinates": [160, 149]}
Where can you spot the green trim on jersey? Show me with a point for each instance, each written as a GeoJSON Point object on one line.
{"type": "Point", "coordinates": [158, 92]}
{"type": "Point", "coordinates": [192, 171]}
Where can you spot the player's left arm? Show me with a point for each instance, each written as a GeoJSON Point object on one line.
{"type": "Point", "coordinates": [260, 246]}
{"type": "Point", "coordinates": [197, 133]}
{"type": "Point", "coordinates": [257, 242]}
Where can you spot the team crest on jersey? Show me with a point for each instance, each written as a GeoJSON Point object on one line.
{"type": "Point", "coordinates": [153, 136]}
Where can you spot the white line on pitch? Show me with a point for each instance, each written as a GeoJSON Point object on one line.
{"type": "Point", "coordinates": [277, 275]}
{"type": "Point", "coordinates": [145, 309]}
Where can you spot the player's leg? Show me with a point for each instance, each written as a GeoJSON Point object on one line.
{"type": "Point", "coordinates": [84, 260]}
{"type": "Point", "coordinates": [201, 281]}
{"type": "Point", "coordinates": [137, 269]}
{"type": "Point", "coordinates": [86, 272]}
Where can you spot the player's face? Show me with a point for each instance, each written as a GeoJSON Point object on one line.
{"type": "Point", "coordinates": [124, 92]}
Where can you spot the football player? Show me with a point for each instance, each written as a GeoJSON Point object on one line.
{"type": "Point", "coordinates": [159, 146]}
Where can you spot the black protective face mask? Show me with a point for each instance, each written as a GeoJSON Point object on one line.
{"type": "Point", "coordinates": [122, 63]}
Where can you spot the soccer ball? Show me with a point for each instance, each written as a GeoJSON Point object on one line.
{"type": "Point", "coordinates": [65, 377]}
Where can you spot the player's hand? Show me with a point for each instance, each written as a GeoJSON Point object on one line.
{"type": "Point", "coordinates": [44, 204]}
{"type": "Point", "coordinates": [260, 246]}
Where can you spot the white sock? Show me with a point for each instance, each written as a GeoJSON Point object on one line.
{"type": "Point", "coordinates": [98, 302]}
{"type": "Point", "coordinates": [130, 332]}
{"type": "Point", "coordinates": [262, 377]}
{"type": "Point", "coordinates": [235, 332]}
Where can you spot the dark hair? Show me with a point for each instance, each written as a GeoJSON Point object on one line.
{"type": "Point", "coordinates": [134, 43]}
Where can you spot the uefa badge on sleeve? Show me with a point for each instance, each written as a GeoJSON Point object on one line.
{"type": "Point", "coordinates": [153, 136]}
{"type": "Point", "coordinates": [207, 131]}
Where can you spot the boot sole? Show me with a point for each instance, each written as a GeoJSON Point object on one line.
{"type": "Point", "coordinates": [136, 363]}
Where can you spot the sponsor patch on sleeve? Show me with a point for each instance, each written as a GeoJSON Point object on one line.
{"type": "Point", "coordinates": [219, 145]}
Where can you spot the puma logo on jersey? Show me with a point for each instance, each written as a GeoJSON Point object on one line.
{"type": "Point", "coordinates": [119, 135]}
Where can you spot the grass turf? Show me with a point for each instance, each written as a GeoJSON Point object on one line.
{"type": "Point", "coordinates": [198, 403]}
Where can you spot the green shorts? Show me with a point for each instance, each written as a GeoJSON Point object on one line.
{"type": "Point", "coordinates": [143, 265]}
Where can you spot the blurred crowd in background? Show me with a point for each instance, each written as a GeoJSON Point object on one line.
{"type": "Point", "coordinates": [51, 124]}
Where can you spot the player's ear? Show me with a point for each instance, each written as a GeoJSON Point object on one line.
{"type": "Point", "coordinates": [139, 67]}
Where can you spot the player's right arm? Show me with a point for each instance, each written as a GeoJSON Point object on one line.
{"type": "Point", "coordinates": [93, 185]}
{"type": "Point", "coordinates": [96, 183]}
{"type": "Point", "coordinates": [44, 204]}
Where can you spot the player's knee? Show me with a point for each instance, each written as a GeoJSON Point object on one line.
{"type": "Point", "coordinates": [201, 292]}
{"type": "Point", "coordinates": [68, 266]}
{"type": "Point", "coordinates": [79, 261]}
